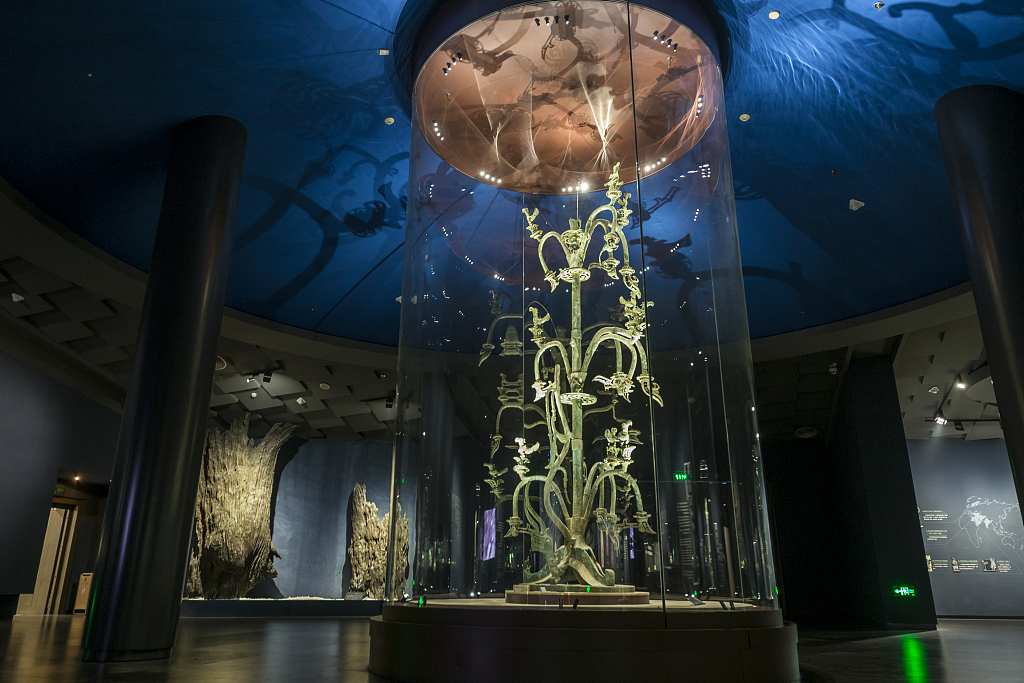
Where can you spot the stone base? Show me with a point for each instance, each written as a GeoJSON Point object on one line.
{"type": "Point", "coordinates": [569, 593]}
{"type": "Point", "coordinates": [449, 644]}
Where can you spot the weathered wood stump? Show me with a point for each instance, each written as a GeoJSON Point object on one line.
{"type": "Point", "coordinates": [368, 551]}
{"type": "Point", "coordinates": [232, 549]}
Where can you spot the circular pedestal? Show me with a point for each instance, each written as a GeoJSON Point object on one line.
{"type": "Point", "coordinates": [570, 593]}
{"type": "Point", "coordinates": [441, 644]}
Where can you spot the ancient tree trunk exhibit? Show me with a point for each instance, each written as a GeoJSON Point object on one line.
{"type": "Point", "coordinates": [233, 551]}
{"type": "Point", "coordinates": [368, 551]}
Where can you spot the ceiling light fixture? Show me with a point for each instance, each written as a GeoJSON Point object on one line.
{"type": "Point", "coordinates": [253, 395]}
{"type": "Point", "coordinates": [855, 204]}
{"type": "Point", "coordinates": [940, 419]}
{"type": "Point", "coordinates": [17, 298]}
{"type": "Point", "coordinates": [774, 14]}
{"type": "Point", "coordinates": [933, 390]}
{"type": "Point", "coordinates": [960, 384]}
{"type": "Point", "coordinates": [325, 386]}
{"type": "Point", "coordinates": [383, 51]}
{"type": "Point", "coordinates": [388, 121]}
{"type": "Point", "coordinates": [744, 117]}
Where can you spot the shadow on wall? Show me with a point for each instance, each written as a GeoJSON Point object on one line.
{"type": "Point", "coordinates": [310, 511]}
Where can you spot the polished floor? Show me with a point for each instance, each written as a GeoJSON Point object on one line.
{"type": "Point", "coordinates": [46, 650]}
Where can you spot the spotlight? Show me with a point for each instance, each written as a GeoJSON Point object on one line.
{"type": "Point", "coordinates": [940, 419]}
{"type": "Point", "coordinates": [253, 395]}
{"type": "Point", "coordinates": [958, 425]}
{"type": "Point", "coordinates": [960, 384]}
{"type": "Point", "coordinates": [77, 478]}
{"type": "Point", "coordinates": [267, 375]}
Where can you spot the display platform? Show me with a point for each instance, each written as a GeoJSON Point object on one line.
{"type": "Point", "coordinates": [499, 643]}
{"type": "Point", "coordinates": [569, 594]}
{"type": "Point", "coordinates": [283, 607]}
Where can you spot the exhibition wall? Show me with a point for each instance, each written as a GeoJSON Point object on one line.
{"type": "Point", "coordinates": [310, 515]}
{"type": "Point", "coordinates": [971, 524]}
{"type": "Point", "coordinates": [44, 426]}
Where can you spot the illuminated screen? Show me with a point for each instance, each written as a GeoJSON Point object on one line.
{"type": "Point", "coordinates": [487, 542]}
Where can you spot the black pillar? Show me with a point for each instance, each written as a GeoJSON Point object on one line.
{"type": "Point", "coordinates": [982, 132]}
{"type": "Point", "coordinates": [848, 529]}
{"type": "Point", "coordinates": [140, 573]}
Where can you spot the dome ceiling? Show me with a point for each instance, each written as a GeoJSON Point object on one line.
{"type": "Point", "coordinates": [839, 96]}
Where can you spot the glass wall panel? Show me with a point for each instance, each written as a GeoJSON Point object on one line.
{"type": "Point", "coordinates": [575, 401]}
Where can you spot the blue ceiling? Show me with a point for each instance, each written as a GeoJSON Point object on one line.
{"type": "Point", "coordinates": [92, 91]}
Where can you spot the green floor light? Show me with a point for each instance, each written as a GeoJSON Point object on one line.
{"type": "Point", "coordinates": [915, 661]}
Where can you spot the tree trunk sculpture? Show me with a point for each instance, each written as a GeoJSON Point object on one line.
{"type": "Point", "coordinates": [233, 551]}
{"type": "Point", "coordinates": [368, 551]}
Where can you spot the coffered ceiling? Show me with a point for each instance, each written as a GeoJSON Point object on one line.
{"type": "Point", "coordinates": [86, 335]}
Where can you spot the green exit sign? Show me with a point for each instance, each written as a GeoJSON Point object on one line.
{"type": "Point", "coordinates": [681, 476]}
{"type": "Point", "coordinates": [903, 591]}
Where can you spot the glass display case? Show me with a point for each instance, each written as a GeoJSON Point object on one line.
{"type": "Point", "coordinates": [575, 402]}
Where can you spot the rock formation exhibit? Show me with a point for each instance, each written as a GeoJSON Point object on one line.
{"type": "Point", "coordinates": [232, 549]}
{"type": "Point", "coordinates": [369, 547]}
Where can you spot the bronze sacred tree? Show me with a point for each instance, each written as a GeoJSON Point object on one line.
{"type": "Point", "coordinates": [573, 495]}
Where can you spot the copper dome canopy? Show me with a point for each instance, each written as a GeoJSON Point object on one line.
{"type": "Point", "coordinates": [541, 98]}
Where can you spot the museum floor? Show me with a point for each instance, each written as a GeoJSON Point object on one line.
{"type": "Point", "coordinates": [45, 650]}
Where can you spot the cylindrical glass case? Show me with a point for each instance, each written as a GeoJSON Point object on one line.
{"type": "Point", "coordinates": [575, 399]}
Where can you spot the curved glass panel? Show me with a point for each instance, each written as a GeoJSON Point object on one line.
{"type": "Point", "coordinates": [575, 398]}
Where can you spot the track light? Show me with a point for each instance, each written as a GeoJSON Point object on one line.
{"type": "Point", "coordinates": [940, 419]}
{"type": "Point", "coordinates": [267, 375]}
{"type": "Point", "coordinates": [960, 384]}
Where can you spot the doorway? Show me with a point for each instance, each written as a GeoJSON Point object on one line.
{"type": "Point", "coordinates": [51, 577]}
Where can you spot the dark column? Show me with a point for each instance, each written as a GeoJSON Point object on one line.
{"type": "Point", "coordinates": [848, 528]}
{"type": "Point", "coordinates": [140, 573]}
{"type": "Point", "coordinates": [982, 132]}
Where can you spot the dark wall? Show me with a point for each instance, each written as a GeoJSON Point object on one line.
{"type": "Point", "coordinates": [44, 426]}
{"type": "Point", "coordinates": [970, 512]}
{"type": "Point", "coordinates": [311, 512]}
{"type": "Point", "coordinates": [845, 513]}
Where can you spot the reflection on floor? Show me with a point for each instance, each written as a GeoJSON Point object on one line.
{"type": "Point", "coordinates": [46, 650]}
{"type": "Point", "coordinates": [961, 650]}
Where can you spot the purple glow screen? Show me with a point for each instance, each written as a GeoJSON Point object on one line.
{"type": "Point", "coordinates": [487, 543]}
